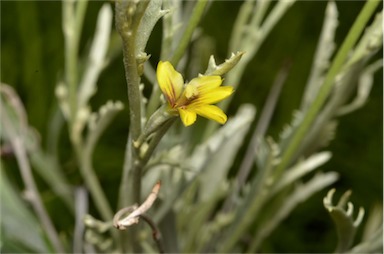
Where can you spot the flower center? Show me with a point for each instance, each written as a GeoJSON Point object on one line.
{"type": "Point", "coordinates": [191, 92]}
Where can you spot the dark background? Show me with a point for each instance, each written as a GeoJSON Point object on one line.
{"type": "Point", "coordinates": [32, 61]}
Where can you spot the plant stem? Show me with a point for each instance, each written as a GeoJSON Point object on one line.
{"type": "Point", "coordinates": [84, 153]}
{"type": "Point", "coordinates": [72, 26]}
{"type": "Point", "coordinates": [81, 206]}
{"type": "Point", "coordinates": [325, 89]}
{"type": "Point", "coordinates": [124, 184]}
{"type": "Point", "coordinates": [33, 194]}
{"type": "Point", "coordinates": [16, 136]}
{"type": "Point", "coordinates": [260, 130]}
{"type": "Point", "coordinates": [139, 164]}
{"type": "Point", "coordinates": [134, 95]}
{"type": "Point", "coordinates": [84, 158]}
{"type": "Point", "coordinates": [93, 184]}
{"type": "Point", "coordinates": [163, 126]}
{"type": "Point", "coordinates": [73, 17]}
{"type": "Point", "coordinates": [192, 23]}
{"type": "Point", "coordinates": [156, 139]}
{"type": "Point", "coordinates": [250, 207]}
{"type": "Point", "coordinates": [128, 16]}
{"type": "Point", "coordinates": [156, 234]}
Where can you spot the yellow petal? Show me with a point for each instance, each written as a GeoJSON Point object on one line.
{"type": "Point", "coordinates": [213, 96]}
{"type": "Point", "coordinates": [211, 112]}
{"type": "Point", "coordinates": [206, 83]}
{"type": "Point", "coordinates": [188, 117]}
{"type": "Point", "coordinates": [191, 92]}
{"type": "Point", "coordinates": [170, 81]}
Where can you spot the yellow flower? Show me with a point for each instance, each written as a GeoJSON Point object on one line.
{"type": "Point", "coordinates": [194, 98]}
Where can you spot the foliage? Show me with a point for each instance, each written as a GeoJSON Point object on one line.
{"type": "Point", "coordinates": [201, 188]}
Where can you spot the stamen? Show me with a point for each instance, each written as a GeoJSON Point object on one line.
{"type": "Point", "coordinates": [191, 92]}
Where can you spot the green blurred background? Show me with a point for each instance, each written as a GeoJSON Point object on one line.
{"type": "Point", "coordinates": [32, 60]}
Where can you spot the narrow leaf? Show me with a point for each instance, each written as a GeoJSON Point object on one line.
{"type": "Point", "coordinates": [346, 225]}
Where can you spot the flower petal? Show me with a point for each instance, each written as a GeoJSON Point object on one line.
{"type": "Point", "coordinates": [206, 83]}
{"type": "Point", "coordinates": [213, 96]}
{"type": "Point", "coordinates": [170, 81]}
{"type": "Point", "coordinates": [211, 112]}
{"type": "Point", "coordinates": [188, 117]}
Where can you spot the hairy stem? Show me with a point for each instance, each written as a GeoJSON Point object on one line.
{"type": "Point", "coordinates": [128, 16]}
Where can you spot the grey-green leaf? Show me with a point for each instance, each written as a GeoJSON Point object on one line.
{"type": "Point", "coordinates": [346, 225]}
{"type": "Point", "coordinates": [216, 156]}
{"type": "Point", "coordinates": [152, 14]}
{"type": "Point", "coordinates": [225, 67]}
{"type": "Point", "coordinates": [18, 225]}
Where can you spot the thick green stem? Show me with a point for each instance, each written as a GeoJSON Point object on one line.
{"type": "Point", "coordinates": [142, 161]}
{"type": "Point", "coordinates": [128, 17]}
{"type": "Point", "coordinates": [134, 95]}
{"type": "Point", "coordinates": [337, 65]}
{"type": "Point", "coordinates": [124, 184]}
{"type": "Point", "coordinates": [153, 126]}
